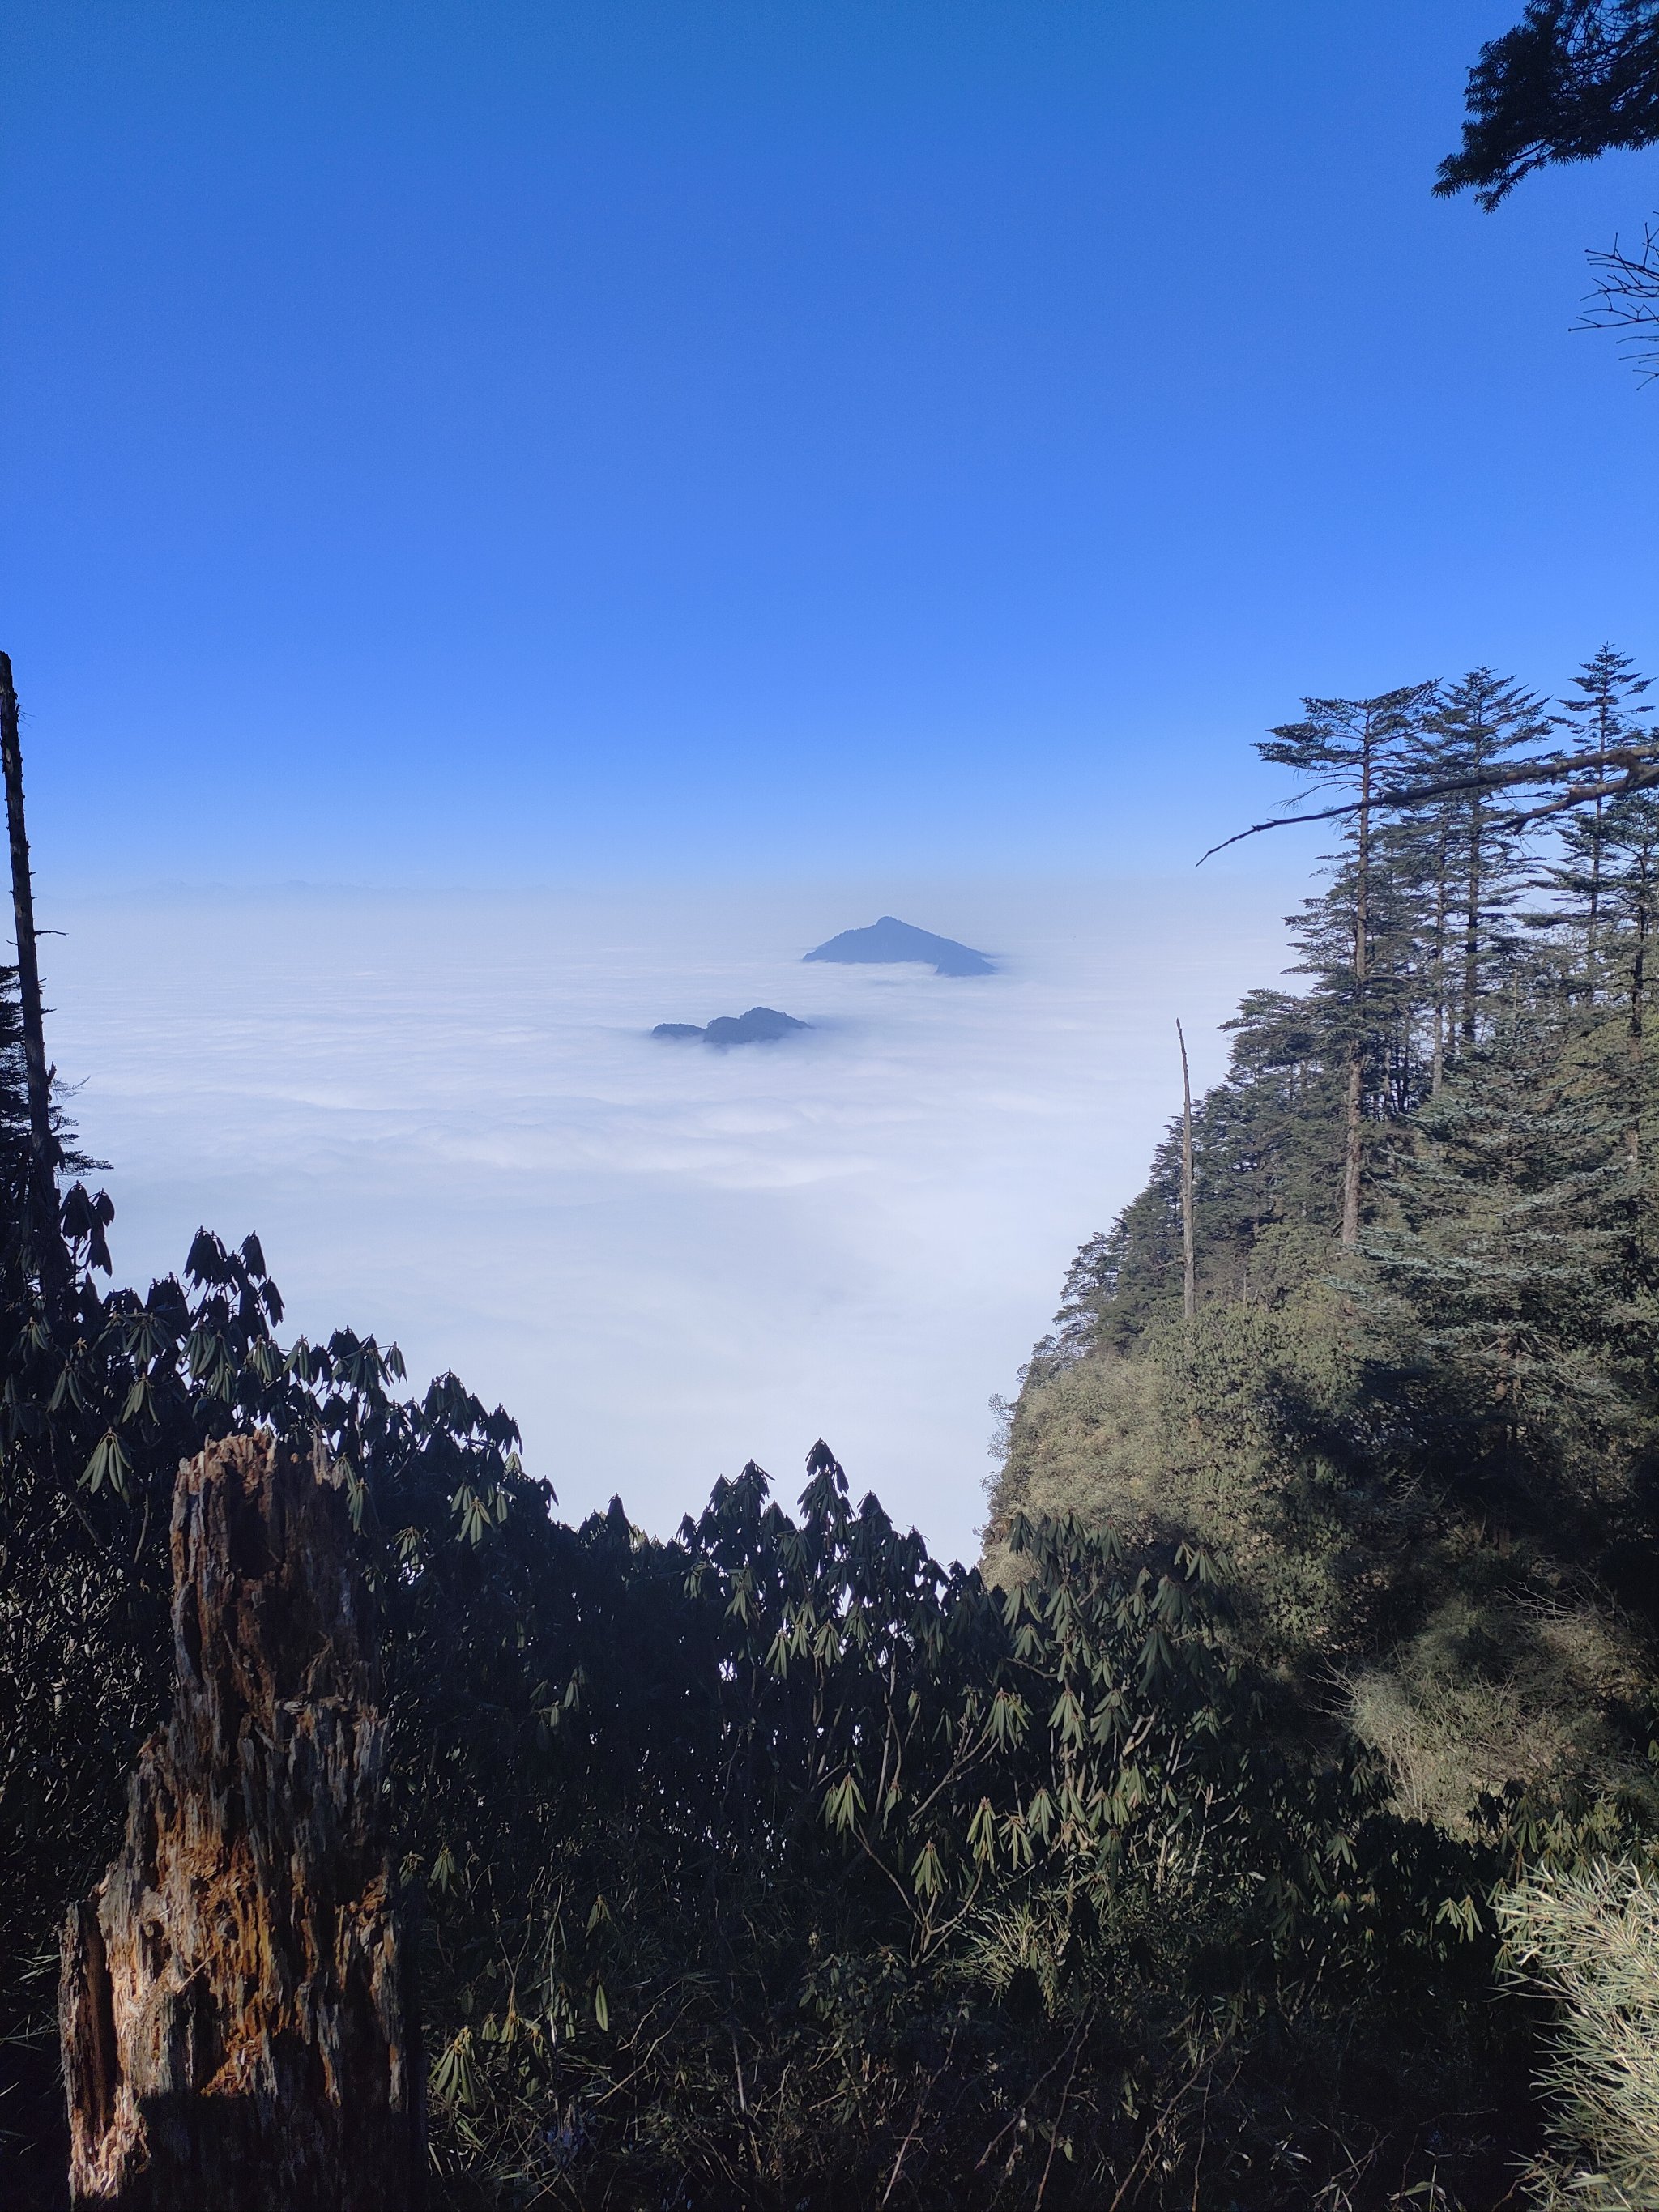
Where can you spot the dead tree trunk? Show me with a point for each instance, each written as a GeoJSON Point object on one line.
{"type": "Point", "coordinates": [235, 2004]}
{"type": "Point", "coordinates": [1188, 1270]}
{"type": "Point", "coordinates": [43, 1144]}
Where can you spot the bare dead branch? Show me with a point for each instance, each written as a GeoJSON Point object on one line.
{"type": "Point", "coordinates": [1625, 298]}
{"type": "Point", "coordinates": [1638, 767]}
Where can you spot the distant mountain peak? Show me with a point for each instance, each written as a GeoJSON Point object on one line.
{"type": "Point", "coordinates": [890, 939]}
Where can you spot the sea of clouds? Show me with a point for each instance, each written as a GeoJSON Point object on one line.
{"type": "Point", "coordinates": [444, 1117]}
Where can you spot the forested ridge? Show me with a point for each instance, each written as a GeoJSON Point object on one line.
{"type": "Point", "coordinates": [1411, 1419]}
{"type": "Point", "coordinates": [1267, 1821]}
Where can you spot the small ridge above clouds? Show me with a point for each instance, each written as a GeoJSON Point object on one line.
{"type": "Point", "coordinates": [760, 1025]}
{"type": "Point", "coordinates": [891, 940]}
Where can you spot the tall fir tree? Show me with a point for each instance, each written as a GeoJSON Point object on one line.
{"type": "Point", "coordinates": [1602, 709]}
{"type": "Point", "coordinates": [1481, 723]}
{"type": "Point", "coordinates": [1630, 895]}
{"type": "Point", "coordinates": [1354, 746]}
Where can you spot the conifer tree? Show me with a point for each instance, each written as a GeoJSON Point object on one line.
{"type": "Point", "coordinates": [1477, 724]}
{"type": "Point", "coordinates": [1571, 79]}
{"type": "Point", "coordinates": [1355, 746]}
{"type": "Point", "coordinates": [1510, 1245]}
{"type": "Point", "coordinates": [1629, 894]}
{"type": "Point", "coordinates": [1601, 711]}
{"type": "Point", "coordinates": [1431, 848]}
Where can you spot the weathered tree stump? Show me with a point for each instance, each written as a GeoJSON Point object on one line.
{"type": "Point", "coordinates": [237, 2019]}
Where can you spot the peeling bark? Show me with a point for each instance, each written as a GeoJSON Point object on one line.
{"type": "Point", "coordinates": [235, 2005]}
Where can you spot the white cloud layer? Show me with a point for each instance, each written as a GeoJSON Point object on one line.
{"type": "Point", "coordinates": [446, 1119]}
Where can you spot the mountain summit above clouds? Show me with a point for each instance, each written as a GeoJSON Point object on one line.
{"type": "Point", "coordinates": [890, 939]}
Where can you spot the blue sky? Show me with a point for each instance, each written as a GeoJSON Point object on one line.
{"type": "Point", "coordinates": [515, 442]}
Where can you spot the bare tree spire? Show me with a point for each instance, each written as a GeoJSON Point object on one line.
{"type": "Point", "coordinates": [1189, 1278]}
{"type": "Point", "coordinates": [43, 1146]}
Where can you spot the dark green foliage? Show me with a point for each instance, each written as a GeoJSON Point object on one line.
{"type": "Point", "coordinates": [1573, 79]}
{"type": "Point", "coordinates": [1512, 1240]}
{"type": "Point", "coordinates": [1471, 844]}
{"type": "Point", "coordinates": [825, 1877]}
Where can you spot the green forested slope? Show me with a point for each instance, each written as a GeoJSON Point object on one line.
{"type": "Point", "coordinates": [1425, 1457]}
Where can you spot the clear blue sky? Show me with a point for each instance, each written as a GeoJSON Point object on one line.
{"type": "Point", "coordinates": [514, 438]}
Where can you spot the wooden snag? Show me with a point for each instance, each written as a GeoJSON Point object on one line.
{"type": "Point", "coordinates": [236, 2002]}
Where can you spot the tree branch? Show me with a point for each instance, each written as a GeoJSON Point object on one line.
{"type": "Point", "coordinates": [1639, 767]}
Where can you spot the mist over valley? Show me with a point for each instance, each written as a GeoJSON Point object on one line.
{"type": "Point", "coordinates": [445, 1113]}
